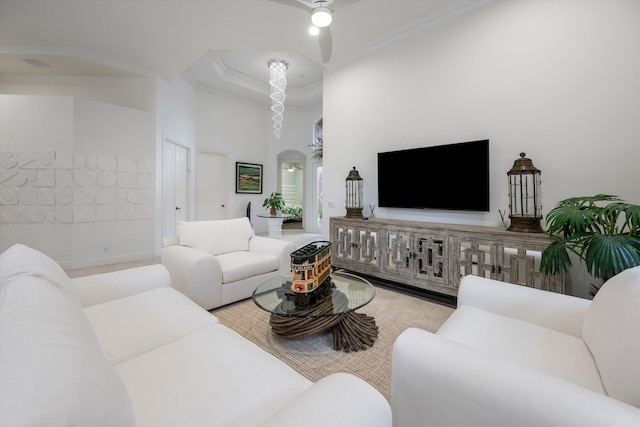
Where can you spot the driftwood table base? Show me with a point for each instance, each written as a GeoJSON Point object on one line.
{"type": "Point", "coordinates": [351, 331]}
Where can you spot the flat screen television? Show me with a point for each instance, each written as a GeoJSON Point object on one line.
{"type": "Point", "coordinates": [443, 177]}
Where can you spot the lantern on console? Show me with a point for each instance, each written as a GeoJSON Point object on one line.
{"type": "Point", "coordinates": [525, 207]}
{"type": "Point", "coordinates": [353, 189]}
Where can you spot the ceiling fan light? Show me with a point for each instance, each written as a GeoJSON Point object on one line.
{"type": "Point", "coordinates": [321, 17]}
{"type": "Point", "coordinates": [313, 30]}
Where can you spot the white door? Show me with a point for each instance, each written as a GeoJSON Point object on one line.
{"type": "Point", "coordinates": [211, 184]}
{"type": "Point", "coordinates": [174, 186]}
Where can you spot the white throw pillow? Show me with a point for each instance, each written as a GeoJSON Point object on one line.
{"type": "Point", "coordinates": [611, 331]}
{"type": "Point", "coordinates": [216, 237]}
{"type": "Point", "coordinates": [52, 372]}
{"type": "Point", "coordinates": [21, 260]}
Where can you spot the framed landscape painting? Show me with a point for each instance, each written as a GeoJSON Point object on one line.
{"type": "Point", "coordinates": [248, 178]}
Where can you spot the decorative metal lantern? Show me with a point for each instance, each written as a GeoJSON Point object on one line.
{"type": "Point", "coordinates": [353, 185]}
{"type": "Point", "coordinates": [525, 208]}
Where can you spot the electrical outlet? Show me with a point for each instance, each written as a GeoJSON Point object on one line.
{"type": "Point", "coordinates": [331, 204]}
{"type": "Point", "coordinates": [106, 247]}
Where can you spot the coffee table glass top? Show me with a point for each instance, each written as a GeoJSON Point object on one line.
{"type": "Point", "coordinates": [350, 292]}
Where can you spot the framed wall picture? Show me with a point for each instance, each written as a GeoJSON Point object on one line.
{"type": "Point", "coordinates": [248, 178]}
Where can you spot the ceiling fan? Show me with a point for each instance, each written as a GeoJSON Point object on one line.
{"type": "Point", "coordinates": [292, 168]}
{"type": "Point", "coordinates": [321, 17]}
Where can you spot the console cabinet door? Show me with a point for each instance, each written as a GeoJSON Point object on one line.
{"type": "Point", "coordinates": [344, 244]}
{"type": "Point", "coordinates": [521, 265]}
{"type": "Point", "coordinates": [367, 247]}
{"type": "Point", "coordinates": [477, 257]}
{"type": "Point", "coordinates": [430, 258]}
{"type": "Point", "coordinates": [416, 255]}
{"type": "Point", "coordinates": [355, 248]}
{"type": "Point", "coordinates": [512, 262]}
{"type": "Point", "coordinates": [397, 253]}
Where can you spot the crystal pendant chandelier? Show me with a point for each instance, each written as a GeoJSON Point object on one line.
{"type": "Point", "coordinates": [278, 82]}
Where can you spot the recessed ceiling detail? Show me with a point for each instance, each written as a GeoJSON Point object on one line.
{"type": "Point", "coordinates": [188, 37]}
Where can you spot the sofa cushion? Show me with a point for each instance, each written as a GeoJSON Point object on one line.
{"type": "Point", "coordinates": [129, 326]}
{"type": "Point", "coordinates": [52, 371]}
{"type": "Point", "coordinates": [611, 332]}
{"type": "Point", "coordinates": [211, 377]}
{"type": "Point", "coordinates": [241, 265]}
{"type": "Point", "coordinates": [20, 260]}
{"type": "Point", "coordinates": [103, 287]}
{"type": "Point", "coordinates": [216, 237]}
{"type": "Point", "coordinates": [525, 344]}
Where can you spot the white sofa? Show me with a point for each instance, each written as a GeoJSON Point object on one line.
{"type": "Point", "coordinates": [219, 262]}
{"type": "Point", "coordinates": [516, 356]}
{"type": "Point", "coordinates": [123, 349]}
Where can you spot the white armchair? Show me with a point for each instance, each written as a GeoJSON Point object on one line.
{"type": "Point", "coordinates": [516, 356]}
{"type": "Point", "coordinates": [219, 262]}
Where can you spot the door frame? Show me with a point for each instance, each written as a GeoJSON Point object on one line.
{"type": "Point", "coordinates": [164, 207]}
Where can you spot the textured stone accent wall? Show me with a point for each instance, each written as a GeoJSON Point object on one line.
{"type": "Point", "coordinates": [67, 187]}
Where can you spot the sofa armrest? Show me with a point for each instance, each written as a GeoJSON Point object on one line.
{"type": "Point", "coordinates": [99, 288]}
{"type": "Point", "coordinates": [280, 248]}
{"type": "Point", "coordinates": [195, 273]}
{"type": "Point", "coordinates": [439, 382]}
{"type": "Point", "coordinates": [559, 312]}
{"type": "Point", "coordinates": [338, 400]}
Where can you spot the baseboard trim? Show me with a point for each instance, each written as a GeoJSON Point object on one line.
{"type": "Point", "coordinates": [100, 262]}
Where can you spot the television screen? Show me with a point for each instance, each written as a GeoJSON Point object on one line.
{"type": "Point", "coordinates": [444, 177]}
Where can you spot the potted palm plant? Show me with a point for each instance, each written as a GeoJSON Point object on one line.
{"type": "Point", "coordinates": [602, 230]}
{"type": "Point", "coordinates": [275, 202]}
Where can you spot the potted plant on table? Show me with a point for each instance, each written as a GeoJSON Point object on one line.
{"type": "Point", "coordinates": [602, 230]}
{"type": "Point", "coordinates": [275, 202]}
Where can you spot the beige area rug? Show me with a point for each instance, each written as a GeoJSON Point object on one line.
{"type": "Point", "coordinates": [314, 356]}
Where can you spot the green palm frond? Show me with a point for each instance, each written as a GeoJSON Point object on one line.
{"type": "Point", "coordinates": [606, 256]}
{"type": "Point", "coordinates": [602, 230]}
{"type": "Point", "coordinates": [555, 258]}
{"type": "Point", "coordinates": [570, 220]}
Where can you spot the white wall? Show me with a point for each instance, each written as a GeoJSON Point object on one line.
{"type": "Point", "coordinates": [126, 134]}
{"type": "Point", "coordinates": [98, 189]}
{"type": "Point", "coordinates": [238, 130]}
{"type": "Point", "coordinates": [242, 131]}
{"type": "Point", "coordinates": [194, 119]}
{"type": "Point", "coordinates": [131, 92]}
{"type": "Point", "coordinates": [555, 79]}
{"type": "Point", "coordinates": [33, 124]}
{"type": "Point", "coordinates": [297, 135]}
{"type": "Point", "coordinates": [175, 122]}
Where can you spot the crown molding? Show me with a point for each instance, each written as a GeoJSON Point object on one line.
{"type": "Point", "coordinates": [459, 8]}
{"type": "Point", "coordinates": [246, 100]}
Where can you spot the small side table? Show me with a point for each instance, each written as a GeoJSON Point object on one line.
{"type": "Point", "coordinates": [275, 224]}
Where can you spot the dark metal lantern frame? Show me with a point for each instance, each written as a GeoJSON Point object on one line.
{"type": "Point", "coordinates": [353, 188]}
{"type": "Point", "coordinates": [525, 207]}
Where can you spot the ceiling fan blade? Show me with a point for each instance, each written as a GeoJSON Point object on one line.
{"type": "Point", "coordinates": [293, 3]}
{"type": "Point", "coordinates": [339, 4]}
{"type": "Point", "coordinates": [326, 43]}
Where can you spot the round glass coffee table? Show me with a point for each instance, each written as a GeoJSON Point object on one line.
{"type": "Point", "coordinates": [336, 312]}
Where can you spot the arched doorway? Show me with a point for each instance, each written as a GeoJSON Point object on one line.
{"type": "Point", "coordinates": [291, 183]}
